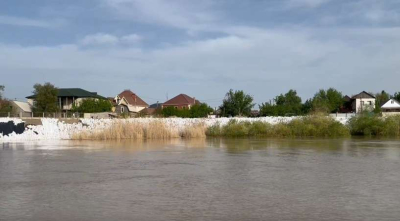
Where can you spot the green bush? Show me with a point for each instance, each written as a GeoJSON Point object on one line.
{"type": "Point", "coordinates": [367, 124]}
{"type": "Point", "coordinates": [309, 126]}
{"type": "Point", "coordinates": [196, 111]}
{"type": "Point", "coordinates": [91, 105]}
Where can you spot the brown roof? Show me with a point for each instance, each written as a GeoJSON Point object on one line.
{"type": "Point", "coordinates": [181, 99]}
{"type": "Point", "coordinates": [149, 111]}
{"type": "Point", "coordinates": [132, 98]}
{"type": "Point", "coordinates": [112, 100]}
{"type": "Point", "coordinates": [363, 95]}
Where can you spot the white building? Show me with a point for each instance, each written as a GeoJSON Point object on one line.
{"type": "Point", "coordinates": [391, 107]}
{"type": "Point", "coordinates": [21, 109]}
{"type": "Point", "coordinates": [363, 102]}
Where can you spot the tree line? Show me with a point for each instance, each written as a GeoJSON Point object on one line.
{"type": "Point", "coordinates": [235, 103]}
{"type": "Point", "coordinates": [238, 103]}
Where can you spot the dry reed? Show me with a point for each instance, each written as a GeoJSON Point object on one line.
{"type": "Point", "coordinates": [120, 130]}
{"type": "Point", "coordinates": [194, 131]}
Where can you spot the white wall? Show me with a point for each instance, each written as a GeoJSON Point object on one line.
{"type": "Point", "coordinates": [386, 114]}
{"type": "Point", "coordinates": [367, 106]}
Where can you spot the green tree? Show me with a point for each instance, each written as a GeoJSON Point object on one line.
{"type": "Point", "coordinates": [1, 91]}
{"type": "Point", "coordinates": [45, 98]}
{"type": "Point", "coordinates": [92, 105]}
{"type": "Point", "coordinates": [329, 101]}
{"type": "Point", "coordinates": [285, 104]}
{"type": "Point", "coordinates": [380, 99]}
{"type": "Point", "coordinates": [200, 110]}
{"type": "Point", "coordinates": [307, 107]}
{"type": "Point", "coordinates": [236, 103]}
{"type": "Point", "coordinates": [196, 111]}
{"type": "Point", "coordinates": [267, 109]}
{"type": "Point", "coordinates": [396, 96]}
{"type": "Point", "coordinates": [5, 106]}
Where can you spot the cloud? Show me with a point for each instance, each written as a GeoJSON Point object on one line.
{"type": "Point", "coordinates": [306, 3]}
{"type": "Point", "coordinates": [108, 39]}
{"type": "Point", "coordinates": [131, 39]}
{"type": "Point", "coordinates": [19, 21]}
{"type": "Point", "coordinates": [261, 61]}
{"type": "Point", "coordinates": [181, 14]}
{"type": "Point", "coordinates": [99, 39]}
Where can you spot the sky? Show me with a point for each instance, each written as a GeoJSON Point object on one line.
{"type": "Point", "coordinates": [161, 48]}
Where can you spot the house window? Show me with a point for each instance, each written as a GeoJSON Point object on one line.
{"type": "Point", "coordinates": [176, 107]}
{"type": "Point", "coordinates": [370, 102]}
{"type": "Point", "coordinates": [122, 109]}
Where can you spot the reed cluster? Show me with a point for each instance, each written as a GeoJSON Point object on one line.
{"type": "Point", "coordinates": [120, 130]}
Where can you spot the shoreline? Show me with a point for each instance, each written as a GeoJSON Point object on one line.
{"type": "Point", "coordinates": [54, 129]}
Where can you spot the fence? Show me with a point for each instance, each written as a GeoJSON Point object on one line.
{"type": "Point", "coordinates": [41, 115]}
{"type": "Point", "coordinates": [343, 115]}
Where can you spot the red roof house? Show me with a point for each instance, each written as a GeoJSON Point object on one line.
{"type": "Point", "coordinates": [182, 101]}
{"type": "Point", "coordinates": [128, 102]}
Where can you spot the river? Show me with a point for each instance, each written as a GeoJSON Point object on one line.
{"type": "Point", "coordinates": [201, 179]}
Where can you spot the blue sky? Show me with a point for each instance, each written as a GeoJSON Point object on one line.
{"type": "Point", "coordinates": [160, 48]}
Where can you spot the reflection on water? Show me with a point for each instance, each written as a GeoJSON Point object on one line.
{"type": "Point", "coordinates": [201, 179]}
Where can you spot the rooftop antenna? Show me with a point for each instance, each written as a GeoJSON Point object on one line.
{"type": "Point", "coordinates": [167, 95]}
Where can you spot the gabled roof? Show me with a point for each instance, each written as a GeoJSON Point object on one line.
{"type": "Point", "coordinates": [132, 99]}
{"type": "Point", "coordinates": [181, 99]}
{"type": "Point", "coordinates": [23, 105]}
{"type": "Point", "coordinates": [346, 98]}
{"type": "Point", "coordinates": [363, 95]}
{"type": "Point", "coordinates": [391, 104]}
{"type": "Point", "coordinates": [74, 92]}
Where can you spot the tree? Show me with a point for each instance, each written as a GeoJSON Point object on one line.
{"type": "Point", "coordinates": [396, 96]}
{"type": "Point", "coordinates": [200, 110]}
{"type": "Point", "coordinates": [45, 98]}
{"type": "Point", "coordinates": [91, 105]}
{"type": "Point", "coordinates": [307, 107]}
{"type": "Point", "coordinates": [329, 101]}
{"type": "Point", "coordinates": [236, 103]}
{"type": "Point", "coordinates": [285, 104]}
{"type": "Point", "coordinates": [196, 111]}
{"type": "Point", "coordinates": [5, 106]}
{"type": "Point", "coordinates": [1, 92]}
{"type": "Point", "coordinates": [380, 99]}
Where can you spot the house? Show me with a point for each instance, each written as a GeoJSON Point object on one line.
{"type": "Point", "coordinates": [67, 97]}
{"type": "Point", "coordinates": [360, 102]}
{"type": "Point", "coordinates": [363, 102]}
{"type": "Point", "coordinates": [129, 103]}
{"type": "Point", "coordinates": [21, 109]}
{"type": "Point", "coordinates": [152, 110]}
{"type": "Point", "coordinates": [254, 113]}
{"type": "Point", "coordinates": [391, 107]}
{"type": "Point", "coordinates": [182, 101]}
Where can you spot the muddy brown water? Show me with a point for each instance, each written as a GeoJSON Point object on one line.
{"type": "Point", "coordinates": [206, 179]}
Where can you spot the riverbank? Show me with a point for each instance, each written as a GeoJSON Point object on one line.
{"type": "Point", "coordinates": [53, 129]}
{"type": "Point", "coordinates": [166, 128]}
